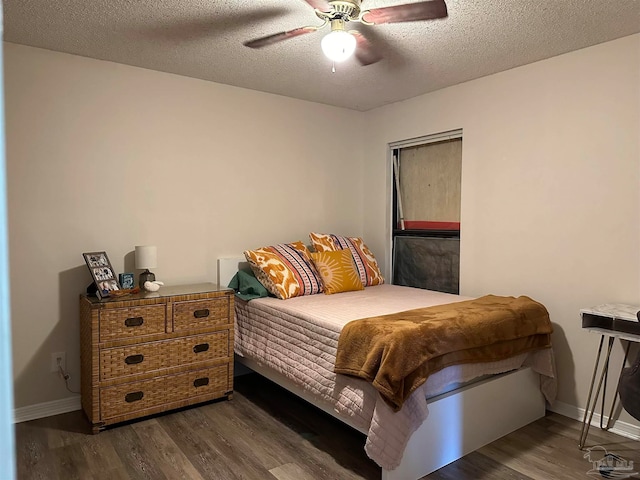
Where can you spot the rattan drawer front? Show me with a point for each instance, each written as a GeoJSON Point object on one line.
{"type": "Point", "coordinates": [200, 313]}
{"type": "Point", "coordinates": [130, 322]}
{"type": "Point", "coordinates": [196, 348]}
{"type": "Point", "coordinates": [131, 397]}
{"type": "Point", "coordinates": [123, 361]}
{"type": "Point", "coordinates": [208, 381]}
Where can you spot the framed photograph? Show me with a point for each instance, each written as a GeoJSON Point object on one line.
{"type": "Point", "coordinates": [102, 273]}
{"type": "Point", "coordinates": [126, 280]}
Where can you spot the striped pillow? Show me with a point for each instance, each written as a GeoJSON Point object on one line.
{"type": "Point", "coordinates": [366, 263]}
{"type": "Point", "coordinates": [285, 270]}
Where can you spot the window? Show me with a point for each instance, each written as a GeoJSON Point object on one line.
{"type": "Point", "coordinates": [426, 211]}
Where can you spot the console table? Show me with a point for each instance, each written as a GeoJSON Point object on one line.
{"type": "Point", "coordinates": [611, 321]}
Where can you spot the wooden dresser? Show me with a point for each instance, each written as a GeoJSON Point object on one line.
{"type": "Point", "coordinates": [151, 352]}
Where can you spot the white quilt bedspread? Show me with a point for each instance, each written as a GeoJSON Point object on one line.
{"type": "Point", "coordinates": [298, 338]}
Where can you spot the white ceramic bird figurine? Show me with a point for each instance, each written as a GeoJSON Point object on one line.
{"type": "Point", "coordinates": [152, 286]}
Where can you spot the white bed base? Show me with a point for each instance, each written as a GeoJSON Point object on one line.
{"type": "Point", "coordinates": [459, 422]}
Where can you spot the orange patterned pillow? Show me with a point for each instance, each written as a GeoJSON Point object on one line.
{"type": "Point", "coordinates": [366, 263]}
{"type": "Point", "coordinates": [285, 270]}
{"type": "Point", "coordinates": [338, 272]}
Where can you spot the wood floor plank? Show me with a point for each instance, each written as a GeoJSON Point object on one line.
{"type": "Point", "coordinates": [70, 463]}
{"type": "Point", "coordinates": [267, 433]}
{"type": "Point", "coordinates": [207, 448]}
{"type": "Point", "coordinates": [290, 471]}
{"type": "Point", "coordinates": [250, 424]}
{"type": "Point", "coordinates": [100, 454]}
{"type": "Point", "coordinates": [111, 474]}
{"type": "Point", "coordinates": [139, 462]}
{"type": "Point", "coordinates": [66, 429]}
{"type": "Point", "coordinates": [534, 451]}
{"type": "Point", "coordinates": [326, 441]}
{"type": "Point", "coordinates": [173, 462]}
{"type": "Point", "coordinates": [34, 458]}
{"type": "Point", "coordinates": [247, 428]}
{"type": "Point", "coordinates": [179, 427]}
{"type": "Point", "coordinates": [477, 466]}
{"type": "Point", "coordinates": [222, 451]}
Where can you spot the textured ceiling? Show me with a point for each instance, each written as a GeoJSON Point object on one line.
{"type": "Point", "coordinates": [203, 39]}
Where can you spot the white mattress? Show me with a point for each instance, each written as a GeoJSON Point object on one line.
{"type": "Point", "coordinates": [298, 338]}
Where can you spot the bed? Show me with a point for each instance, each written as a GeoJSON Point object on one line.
{"type": "Point", "coordinates": [457, 410]}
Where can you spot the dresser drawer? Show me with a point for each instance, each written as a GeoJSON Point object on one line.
{"type": "Point", "coordinates": [145, 357]}
{"type": "Point", "coordinates": [120, 323]}
{"type": "Point", "coordinates": [212, 381]}
{"type": "Point", "coordinates": [132, 397]}
{"type": "Point", "coordinates": [200, 313]}
{"type": "Point", "coordinates": [197, 348]}
{"type": "Point", "coordinates": [130, 360]}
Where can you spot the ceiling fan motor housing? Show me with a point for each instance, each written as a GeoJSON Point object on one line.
{"type": "Point", "coordinates": [345, 9]}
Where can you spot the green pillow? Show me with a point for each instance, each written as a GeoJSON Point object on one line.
{"type": "Point", "coordinates": [247, 286]}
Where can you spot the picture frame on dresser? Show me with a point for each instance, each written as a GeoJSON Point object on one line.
{"type": "Point", "coordinates": [127, 280]}
{"type": "Point", "coordinates": [102, 273]}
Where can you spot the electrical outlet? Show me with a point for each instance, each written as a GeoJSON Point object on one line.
{"type": "Point", "coordinates": [58, 358]}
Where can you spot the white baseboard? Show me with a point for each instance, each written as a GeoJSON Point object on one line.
{"type": "Point", "coordinates": [70, 404]}
{"type": "Point", "coordinates": [619, 427]}
{"type": "Point", "coordinates": [47, 409]}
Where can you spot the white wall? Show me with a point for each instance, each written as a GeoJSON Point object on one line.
{"type": "Point", "coordinates": [104, 156]}
{"type": "Point", "coordinates": [550, 187]}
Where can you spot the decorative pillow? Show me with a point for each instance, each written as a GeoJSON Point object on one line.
{"type": "Point", "coordinates": [338, 272]}
{"type": "Point", "coordinates": [366, 263]}
{"type": "Point", "coordinates": [285, 270]}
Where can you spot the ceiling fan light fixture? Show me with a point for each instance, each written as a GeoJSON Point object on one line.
{"type": "Point", "coordinates": [338, 45]}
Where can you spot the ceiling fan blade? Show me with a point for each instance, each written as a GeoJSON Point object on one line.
{"type": "Point", "coordinates": [198, 27]}
{"type": "Point", "coordinates": [365, 53]}
{"type": "Point", "coordinates": [278, 37]}
{"type": "Point", "coordinates": [321, 5]}
{"type": "Point", "coordinates": [409, 12]}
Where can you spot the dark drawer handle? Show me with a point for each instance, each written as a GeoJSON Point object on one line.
{"type": "Point", "coordinates": [201, 347]}
{"type": "Point", "coordinates": [201, 382]}
{"type": "Point", "coordinates": [133, 359]}
{"type": "Point", "coordinates": [133, 397]}
{"type": "Point", "coordinates": [201, 313]}
{"type": "Point", "coordinates": [134, 321]}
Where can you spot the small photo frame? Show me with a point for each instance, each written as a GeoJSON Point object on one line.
{"type": "Point", "coordinates": [102, 273]}
{"type": "Point", "coordinates": [127, 280]}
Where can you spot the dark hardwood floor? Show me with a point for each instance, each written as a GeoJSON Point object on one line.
{"type": "Point", "coordinates": [266, 433]}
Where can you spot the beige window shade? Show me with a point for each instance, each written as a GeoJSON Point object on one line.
{"type": "Point", "coordinates": [430, 181]}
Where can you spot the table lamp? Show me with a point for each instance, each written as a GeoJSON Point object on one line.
{"type": "Point", "coordinates": [145, 259]}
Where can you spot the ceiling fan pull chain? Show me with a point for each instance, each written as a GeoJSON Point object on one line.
{"type": "Point", "coordinates": [333, 66]}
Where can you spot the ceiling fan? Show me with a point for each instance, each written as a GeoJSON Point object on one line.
{"type": "Point", "coordinates": [340, 44]}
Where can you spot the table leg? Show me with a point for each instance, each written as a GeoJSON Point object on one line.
{"type": "Point", "coordinates": [588, 413]}
{"type": "Point", "coordinates": [616, 395]}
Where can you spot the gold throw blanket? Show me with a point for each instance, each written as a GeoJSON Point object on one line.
{"type": "Point", "coordinates": [398, 352]}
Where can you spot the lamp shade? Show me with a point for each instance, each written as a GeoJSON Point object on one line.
{"type": "Point", "coordinates": [146, 257]}
{"type": "Point", "coordinates": [338, 45]}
